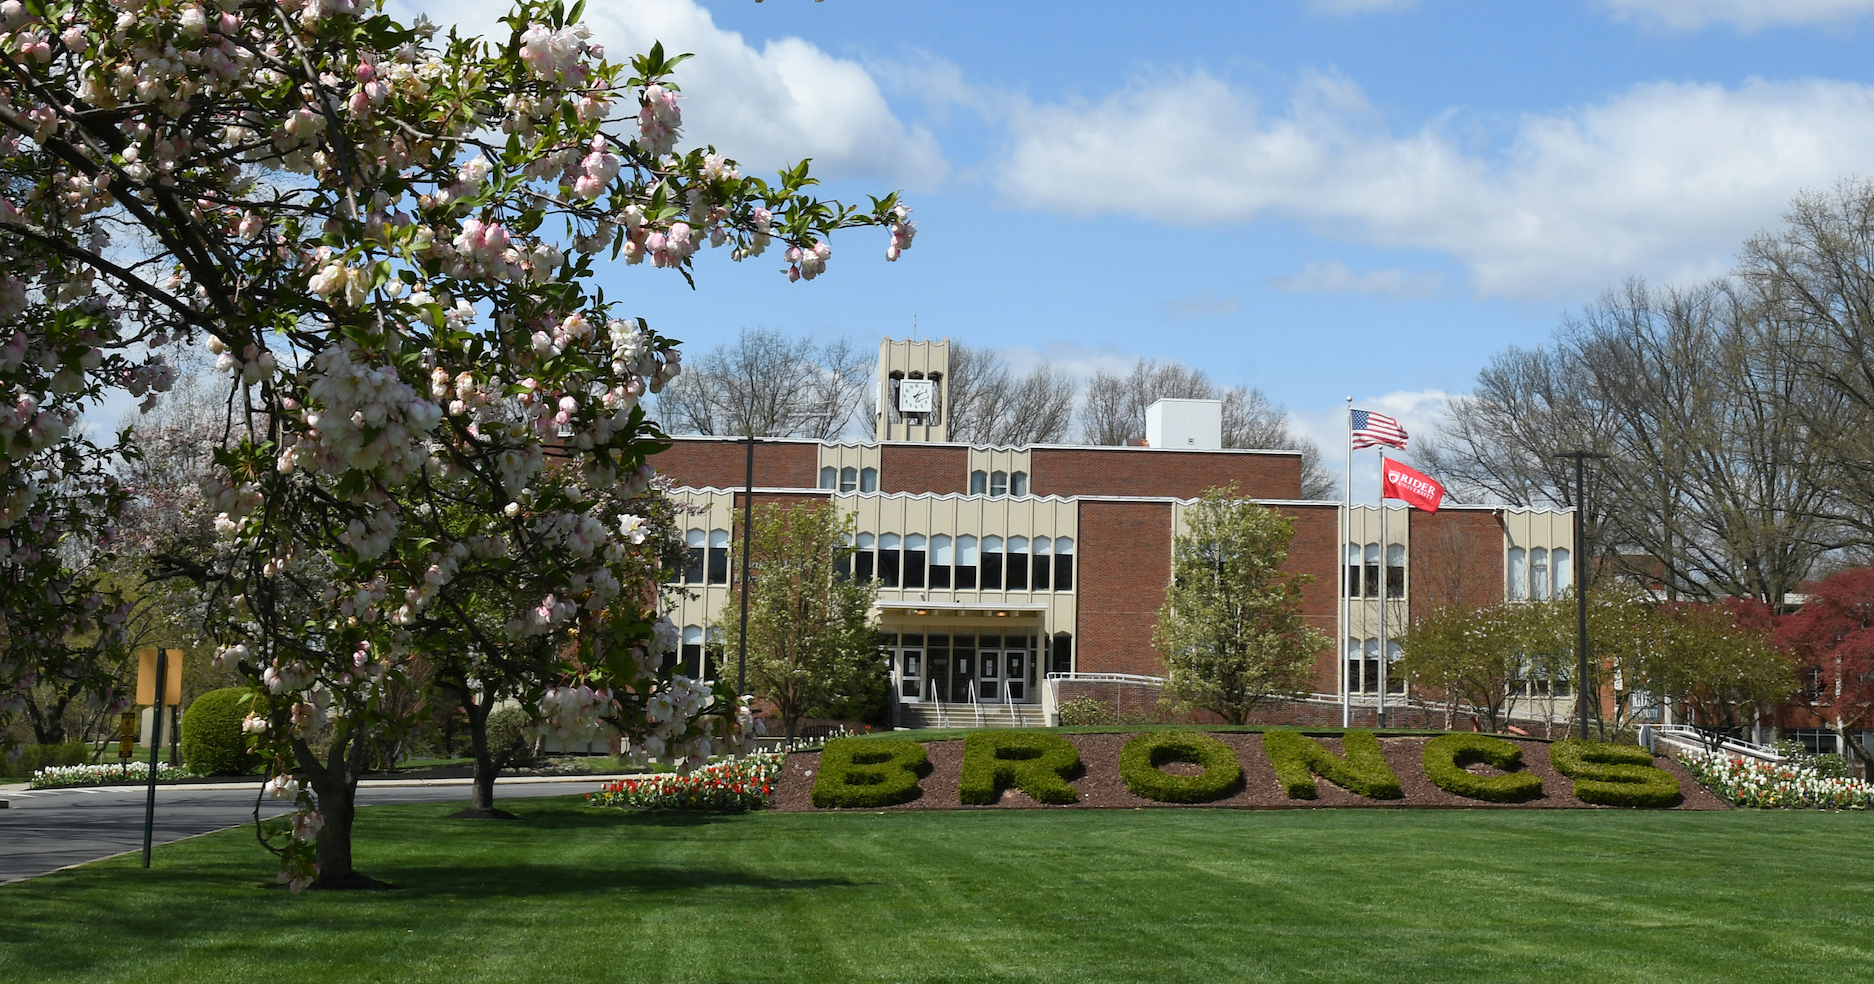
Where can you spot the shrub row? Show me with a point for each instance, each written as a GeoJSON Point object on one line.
{"type": "Point", "coordinates": [1361, 769]}
{"type": "Point", "coordinates": [1141, 765]}
{"type": "Point", "coordinates": [1036, 763]}
{"type": "Point", "coordinates": [1447, 755]}
{"type": "Point", "coordinates": [29, 759]}
{"type": "Point", "coordinates": [858, 773]}
{"type": "Point", "coordinates": [1610, 774]}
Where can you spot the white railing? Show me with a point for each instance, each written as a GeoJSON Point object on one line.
{"type": "Point", "coordinates": [1687, 738]}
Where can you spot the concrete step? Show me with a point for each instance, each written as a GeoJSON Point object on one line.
{"type": "Point", "coordinates": [970, 716]}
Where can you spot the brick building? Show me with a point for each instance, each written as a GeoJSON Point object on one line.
{"type": "Point", "coordinates": [999, 567]}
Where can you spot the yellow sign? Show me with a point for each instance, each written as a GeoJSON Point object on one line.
{"type": "Point", "coordinates": [146, 676]}
{"type": "Point", "coordinates": [126, 734]}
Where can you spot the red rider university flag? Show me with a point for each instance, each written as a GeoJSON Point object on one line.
{"type": "Point", "coordinates": [1418, 490]}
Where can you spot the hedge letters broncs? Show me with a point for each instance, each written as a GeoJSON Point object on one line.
{"type": "Point", "coordinates": [858, 773]}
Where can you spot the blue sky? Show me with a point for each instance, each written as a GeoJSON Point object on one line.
{"type": "Point", "coordinates": [1322, 198]}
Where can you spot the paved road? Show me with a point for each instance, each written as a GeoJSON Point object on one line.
{"type": "Point", "coordinates": [44, 830]}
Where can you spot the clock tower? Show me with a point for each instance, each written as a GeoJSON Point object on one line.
{"type": "Point", "coordinates": [913, 390]}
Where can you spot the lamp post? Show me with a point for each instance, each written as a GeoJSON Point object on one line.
{"type": "Point", "coordinates": [748, 534]}
{"type": "Point", "coordinates": [1581, 587]}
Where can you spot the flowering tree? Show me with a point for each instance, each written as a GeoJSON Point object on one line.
{"type": "Point", "coordinates": [386, 239]}
{"type": "Point", "coordinates": [1833, 640]}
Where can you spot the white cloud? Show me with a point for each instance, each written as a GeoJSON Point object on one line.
{"type": "Point", "coordinates": [1204, 305]}
{"type": "Point", "coordinates": [1663, 180]}
{"type": "Point", "coordinates": [1357, 6]}
{"type": "Point", "coordinates": [765, 106]}
{"type": "Point", "coordinates": [1745, 15]}
{"type": "Point", "coordinates": [1333, 277]}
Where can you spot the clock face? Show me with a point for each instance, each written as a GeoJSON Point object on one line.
{"type": "Point", "coordinates": [916, 395]}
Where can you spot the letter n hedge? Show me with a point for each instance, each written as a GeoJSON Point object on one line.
{"type": "Point", "coordinates": [1036, 764]}
{"type": "Point", "coordinates": [867, 772]}
{"type": "Point", "coordinates": [1362, 769]}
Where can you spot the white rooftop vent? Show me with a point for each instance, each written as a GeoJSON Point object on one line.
{"type": "Point", "coordinates": [1185, 425]}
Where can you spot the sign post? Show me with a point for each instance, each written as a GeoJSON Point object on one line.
{"type": "Point", "coordinates": [159, 682]}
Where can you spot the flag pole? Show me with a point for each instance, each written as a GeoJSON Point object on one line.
{"type": "Point", "coordinates": [1346, 585]}
{"type": "Point", "coordinates": [1385, 583]}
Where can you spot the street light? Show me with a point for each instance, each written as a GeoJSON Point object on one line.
{"type": "Point", "coordinates": [1581, 587]}
{"type": "Point", "coordinates": [748, 533]}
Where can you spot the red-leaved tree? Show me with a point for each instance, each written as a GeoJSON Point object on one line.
{"type": "Point", "coordinates": [1833, 638]}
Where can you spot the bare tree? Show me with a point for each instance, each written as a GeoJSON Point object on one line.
{"type": "Point", "coordinates": [769, 384]}
{"type": "Point", "coordinates": [1114, 413]}
{"type": "Point", "coordinates": [990, 404]}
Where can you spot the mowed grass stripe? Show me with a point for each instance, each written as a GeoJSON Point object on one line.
{"type": "Point", "coordinates": [575, 894]}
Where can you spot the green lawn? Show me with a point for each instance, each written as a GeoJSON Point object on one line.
{"type": "Point", "coordinates": [576, 894]}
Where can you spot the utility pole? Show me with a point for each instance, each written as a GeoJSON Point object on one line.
{"type": "Point", "coordinates": [1581, 583]}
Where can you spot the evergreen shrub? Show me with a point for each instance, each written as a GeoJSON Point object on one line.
{"type": "Point", "coordinates": [1141, 766]}
{"type": "Point", "coordinates": [212, 741]}
{"type": "Point", "coordinates": [509, 741]}
{"type": "Point", "coordinates": [1447, 755]}
{"type": "Point", "coordinates": [869, 772]}
{"type": "Point", "coordinates": [1361, 769]}
{"type": "Point", "coordinates": [1609, 774]}
{"type": "Point", "coordinates": [1036, 763]}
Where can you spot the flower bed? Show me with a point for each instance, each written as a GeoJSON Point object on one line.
{"type": "Point", "coordinates": [1776, 787]}
{"type": "Point", "coordinates": [743, 783]}
{"type": "Point", "coordinates": [54, 776]}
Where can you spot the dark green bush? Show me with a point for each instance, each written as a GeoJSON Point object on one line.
{"type": "Point", "coordinates": [869, 772]}
{"type": "Point", "coordinates": [1614, 775]}
{"type": "Point", "coordinates": [1036, 763]}
{"type": "Point", "coordinates": [1447, 755]}
{"type": "Point", "coordinates": [1363, 771]}
{"type": "Point", "coordinates": [1141, 762]}
{"type": "Point", "coordinates": [509, 742]}
{"type": "Point", "coordinates": [32, 758]}
{"type": "Point", "coordinates": [1085, 711]}
{"type": "Point", "coordinates": [212, 741]}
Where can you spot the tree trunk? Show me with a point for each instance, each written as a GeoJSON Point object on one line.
{"type": "Point", "coordinates": [482, 790]}
{"type": "Point", "coordinates": [335, 791]}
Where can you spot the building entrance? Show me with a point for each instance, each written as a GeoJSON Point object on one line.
{"type": "Point", "coordinates": [961, 668]}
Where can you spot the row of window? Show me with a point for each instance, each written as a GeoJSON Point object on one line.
{"type": "Point", "coordinates": [965, 563]}
{"type": "Point", "coordinates": [1363, 671]}
{"type": "Point", "coordinates": [707, 558]}
{"type": "Point", "coordinates": [998, 483]}
{"type": "Point", "coordinates": [991, 483]}
{"type": "Point", "coordinates": [1363, 575]}
{"type": "Point", "coordinates": [849, 479]}
{"type": "Point", "coordinates": [1539, 575]}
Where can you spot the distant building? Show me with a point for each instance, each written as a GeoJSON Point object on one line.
{"type": "Point", "coordinates": [999, 567]}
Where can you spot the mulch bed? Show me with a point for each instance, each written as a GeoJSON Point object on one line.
{"type": "Point", "coordinates": [1101, 787]}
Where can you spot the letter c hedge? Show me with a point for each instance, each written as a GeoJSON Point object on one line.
{"type": "Point", "coordinates": [1609, 774]}
{"type": "Point", "coordinates": [1141, 760]}
{"type": "Point", "coordinates": [867, 772]}
{"type": "Point", "coordinates": [1447, 755]}
{"type": "Point", "coordinates": [1038, 764]}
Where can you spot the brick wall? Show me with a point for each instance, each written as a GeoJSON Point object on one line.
{"type": "Point", "coordinates": [1124, 564]}
{"type": "Point", "coordinates": [1314, 550]}
{"type": "Point", "coordinates": [1183, 474]}
{"type": "Point", "coordinates": [923, 468]}
{"type": "Point", "coordinates": [693, 463]}
{"type": "Point", "coordinates": [1456, 559]}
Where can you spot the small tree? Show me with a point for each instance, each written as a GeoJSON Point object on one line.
{"type": "Point", "coordinates": [1474, 656]}
{"type": "Point", "coordinates": [1231, 630]}
{"type": "Point", "coordinates": [1719, 660]}
{"type": "Point", "coordinates": [810, 636]}
{"type": "Point", "coordinates": [1832, 637]}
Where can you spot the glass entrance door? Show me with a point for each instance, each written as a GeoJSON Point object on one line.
{"type": "Point", "coordinates": [910, 666]}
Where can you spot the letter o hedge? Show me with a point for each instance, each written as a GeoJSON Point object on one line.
{"type": "Point", "coordinates": [1141, 761]}
{"type": "Point", "coordinates": [1363, 771]}
{"type": "Point", "coordinates": [1038, 764]}
{"type": "Point", "coordinates": [211, 740]}
{"type": "Point", "coordinates": [1447, 755]}
{"type": "Point", "coordinates": [867, 772]}
{"type": "Point", "coordinates": [1609, 774]}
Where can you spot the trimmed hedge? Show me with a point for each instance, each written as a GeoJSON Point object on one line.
{"type": "Point", "coordinates": [869, 772]}
{"type": "Point", "coordinates": [1038, 764]}
{"type": "Point", "coordinates": [211, 740]}
{"type": "Point", "coordinates": [1141, 761]}
{"type": "Point", "coordinates": [1362, 769]}
{"type": "Point", "coordinates": [1447, 755]}
{"type": "Point", "coordinates": [29, 759]}
{"type": "Point", "coordinates": [1611, 774]}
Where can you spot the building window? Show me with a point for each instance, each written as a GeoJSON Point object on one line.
{"type": "Point", "coordinates": [842, 568]}
{"type": "Point", "coordinates": [991, 566]}
{"type": "Point", "coordinates": [913, 574]}
{"type": "Point", "coordinates": [1063, 563]}
{"type": "Point", "coordinates": [1015, 570]}
{"type": "Point", "coordinates": [1353, 570]}
{"type": "Point", "coordinates": [967, 559]}
{"type": "Point", "coordinates": [1018, 483]}
{"type": "Point", "coordinates": [1043, 564]}
{"type": "Point", "coordinates": [849, 479]}
{"type": "Point", "coordinates": [998, 483]}
{"type": "Point", "coordinates": [1395, 570]}
{"type": "Point", "coordinates": [696, 556]}
{"type": "Point", "coordinates": [693, 664]}
{"type": "Point", "coordinates": [1363, 669]}
{"type": "Point", "coordinates": [1370, 583]}
{"type": "Point", "coordinates": [868, 480]}
{"type": "Point", "coordinates": [1560, 570]}
{"type": "Point", "coordinates": [829, 478]}
{"type": "Point", "coordinates": [888, 560]}
{"type": "Point", "coordinates": [862, 559]}
{"type": "Point", "coordinates": [1519, 574]}
{"type": "Point", "coordinates": [1062, 655]}
{"type": "Point", "coordinates": [719, 556]}
{"type": "Point", "coordinates": [979, 482]}
{"type": "Point", "coordinates": [942, 555]}
{"type": "Point", "coordinates": [1395, 681]}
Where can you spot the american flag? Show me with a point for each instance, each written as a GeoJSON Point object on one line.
{"type": "Point", "coordinates": [1371, 428]}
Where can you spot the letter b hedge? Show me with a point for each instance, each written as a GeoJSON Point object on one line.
{"type": "Point", "coordinates": [1609, 774]}
{"type": "Point", "coordinates": [1141, 761]}
{"type": "Point", "coordinates": [1447, 755]}
{"type": "Point", "coordinates": [1035, 763]}
{"type": "Point", "coordinates": [867, 772]}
